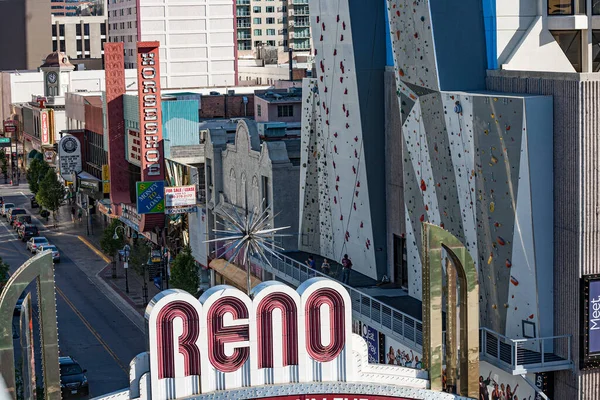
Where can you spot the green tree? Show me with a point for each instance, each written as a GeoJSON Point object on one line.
{"type": "Point", "coordinates": [51, 192]}
{"type": "Point", "coordinates": [108, 243]}
{"type": "Point", "coordinates": [4, 273]}
{"type": "Point", "coordinates": [4, 164]}
{"type": "Point", "coordinates": [184, 272]}
{"type": "Point", "coordinates": [36, 172]}
{"type": "Point", "coordinates": [138, 256]}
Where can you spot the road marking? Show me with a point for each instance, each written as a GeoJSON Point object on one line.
{"type": "Point", "coordinates": [94, 249]}
{"type": "Point", "coordinates": [92, 330]}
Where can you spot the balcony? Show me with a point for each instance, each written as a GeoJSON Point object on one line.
{"type": "Point", "coordinates": [301, 23]}
{"type": "Point", "coordinates": [243, 25]}
{"type": "Point", "coordinates": [242, 2]}
{"type": "Point", "coordinates": [243, 36]}
{"type": "Point", "coordinates": [242, 13]}
{"type": "Point", "coordinates": [300, 11]}
{"type": "Point", "coordinates": [300, 2]}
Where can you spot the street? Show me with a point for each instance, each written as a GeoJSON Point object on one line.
{"type": "Point", "coordinates": [91, 328]}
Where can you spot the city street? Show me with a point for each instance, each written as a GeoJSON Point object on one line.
{"type": "Point", "coordinates": [92, 328]}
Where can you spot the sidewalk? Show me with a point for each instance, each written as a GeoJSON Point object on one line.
{"type": "Point", "coordinates": [76, 236]}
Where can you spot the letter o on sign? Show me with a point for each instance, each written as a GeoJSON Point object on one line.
{"type": "Point", "coordinates": [337, 333]}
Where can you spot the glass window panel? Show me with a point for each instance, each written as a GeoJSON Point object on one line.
{"type": "Point", "coordinates": [570, 43]}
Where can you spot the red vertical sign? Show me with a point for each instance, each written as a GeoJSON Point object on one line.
{"type": "Point", "coordinates": [152, 153]}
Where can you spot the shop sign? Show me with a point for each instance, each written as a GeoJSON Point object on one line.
{"type": "Point", "coordinates": [590, 322]}
{"type": "Point", "coordinates": [180, 196]}
{"type": "Point", "coordinates": [10, 126]}
{"type": "Point", "coordinates": [150, 118]}
{"type": "Point", "coordinates": [45, 127]}
{"type": "Point", "coordinates": [91, 185]}
{"type": "Point", "coordinates": [105, 179]}
{"type": "Point", "coordinates": [150, 197]}
{"type": "Point", "coordinates": [181, 210]}
{"type": "Point", "coordinates": [69, 157]}
{"type": "Point", "coordinates": [594, 317]}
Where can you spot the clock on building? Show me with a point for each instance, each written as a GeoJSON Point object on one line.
{"type": "Point", "coordinates": [52, 77]}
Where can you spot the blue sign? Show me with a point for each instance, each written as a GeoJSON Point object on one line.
{"type": "Point", "coordinates": [150, 197]}
{"type": "Point", "coordinates": [594, 317]}
{"type": "Point", "coordinates": [372, 338]}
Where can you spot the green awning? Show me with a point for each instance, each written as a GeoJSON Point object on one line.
{"type": "Point", "coordinates": [32, 153]}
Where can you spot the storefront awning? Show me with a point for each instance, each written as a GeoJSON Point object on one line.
{"type": "Point", "coordinates": [32, 153]}
{"type": "Point", "coordinates": [233, 273]}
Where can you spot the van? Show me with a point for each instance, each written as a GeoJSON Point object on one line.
{"type": "Point", "coordinates": [13, 213]}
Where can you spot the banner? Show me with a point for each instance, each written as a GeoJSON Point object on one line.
{"type": "Point", "coordinates": [105, 179]}
{"type": "Point", "coordinates": [45, 127]}
{"type": "Point", "coordinates": [371, 336]}
{"type": "Point", "coordinates": [69, 157]}
{"type": "Point", "coordinates": [180, 196]}
{"type": "Point", "coordinates": [594, 317]}
{"type": "Point", "coordinates": [150, 197]}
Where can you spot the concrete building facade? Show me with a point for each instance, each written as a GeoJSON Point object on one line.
{"type": "Point", "coordinates": [197, 44]}
{"type": "Point", "coordinates": [81, 38]}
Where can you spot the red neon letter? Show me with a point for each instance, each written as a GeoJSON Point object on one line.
{"type": "Point", "coordinates": [264, 323]}
{"type": "Point", "coordinates": [219, 335]}
{"type": "Point", "coordinates": [337, 322]}
{"type": "Point", "coordinates": [187, 340]}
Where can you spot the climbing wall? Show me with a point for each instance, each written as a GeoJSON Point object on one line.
{"type": "Point", "coordinates": [333, 146]}
{"type": "Point", "coordinates": [467, 169]}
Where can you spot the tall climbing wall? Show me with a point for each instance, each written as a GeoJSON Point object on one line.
{"type": "Point", "coordinates": [469, 168]}
{"type": "Point", "coordinates": [337, 216]}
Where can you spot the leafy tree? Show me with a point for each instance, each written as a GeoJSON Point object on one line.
{"type": "Point", "coordinates": [36, 172]}
{"type": "Point", "coordinates": [108, 243]}
{"type": "Point", "coordinates": [4, 273]}
{"type": "Point", "coordinates": [51, 193]}
{"type": "Point", "coordinates": [4, 164]}
{"type": "Point", "coordinates": [184, 272]}
{"type": "Point", "coordinates": [138, 256]}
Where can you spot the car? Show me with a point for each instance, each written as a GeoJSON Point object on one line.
{"type": "Point", "coordinates": [72, 378]}
{"type": "Point", "coordinates": [34, 242]}
{"type": "Point", "coordinates": [21, 220]}
{"type": "Point", "coordinates": [19, 305]}
{"type": "Point", "coordinates": [6, 208]}
{"type": "Point", "coordinates": [12, 214]}
{"type": "Point", "coordinates": [27, 231]}
{"type": "Point", "coordinates": [34, 203]}
{"type": "Point", "coordinates": [55, 252]}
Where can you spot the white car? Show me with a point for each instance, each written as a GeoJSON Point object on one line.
{"type": "Point", "coordinates": [6, 208]}
{"type": "Point", "coordinates": [35, 242]}
{"type": "Point", "coordinates": [55, 252]}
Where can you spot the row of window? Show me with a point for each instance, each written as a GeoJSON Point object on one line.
{"type": "Point", "coordinates": [83, 46]}
{"type": "Point", "coordinates": [270, 9]}
{"type": "Point", "coordinates": [269, 32]}
{"type": "Point", "coordinates": [571, 45]}
{"type": "Point", "coordinates": [122, 25]}
{"type": "Point", "coordinates": [284, 110]}
{"type": "Point", "coordinates": [78, 30]}
{"type": "Point", "coordinates": [572, 7]}
{"type": "Point", "coordinates": [121, 12]}
{"type": "Point", "coordinates": [117, 39]}
{"type": "Point", "coordinates": [269, 21]}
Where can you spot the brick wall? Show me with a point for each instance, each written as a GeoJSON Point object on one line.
{"type": "Point", "coordinates": [214, 106]}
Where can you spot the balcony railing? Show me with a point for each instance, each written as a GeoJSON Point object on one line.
{"type": "Point", "coordinates": [299, 11]}
{"type": "Point", "coordinates": [242, 2]}
{"type": "Point", "coordinates": [244, 37]}
{"type": "Point", "coordinates": [242, 13]}
{"type": "Point", "coordinates": [522, 356]}
{"type": "Point", "coordinates": [300, 2]}
{"type": "Point", "coordinates": [243, 25]}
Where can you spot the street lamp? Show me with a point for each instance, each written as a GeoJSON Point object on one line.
{"type": "Point", "coordinates": [114, 264]}
{"type": "Point", "coordinates": [126, 251]}
{"type": "Point", "coordinates": [116, 235]}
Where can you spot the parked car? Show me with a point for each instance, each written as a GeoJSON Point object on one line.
{"type": "Point", "coordinates": [6, 208]}
{"type": "Point", "coordinates": [55, 252]}
{"type": "Point", "coordinates": [13, 213]}
{"type": "Point", "coordinates": [72, 378]}
{"type": "Point", "coordinates": [20, 220]}
{"type": "Point", "coordinates": [1, 200]}
{"type": "Point", "coordinates": [34, 242]}
{"type": "Point", "coordinates": [34, 203]}
{"type": "Point", "coordinates": [27, 231]}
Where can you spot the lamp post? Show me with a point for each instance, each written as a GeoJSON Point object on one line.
{"type": "Point", "coordinates": [126, 251]}
{"type": "Point", "coordinates": [114, 264]}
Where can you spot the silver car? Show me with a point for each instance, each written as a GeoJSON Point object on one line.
{"type": "Point", "coordinates": [6, 208]}
{"type": "Point", "coordinates": [35, 242]}
{"type": "Point", "coordinates": [55, 252]}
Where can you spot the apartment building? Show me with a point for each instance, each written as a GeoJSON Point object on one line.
{"type": "Point", "coordinates": [282, 24]}
{"type": "Point", "coordinates": [197, 45]}
{"type": "Point", "coordinates": [80, 37]}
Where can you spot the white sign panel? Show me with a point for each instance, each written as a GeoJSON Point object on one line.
{"type": "Point", "coordinates": [180, 196]}
{"type": "Point", "coordinates": [69, 154]}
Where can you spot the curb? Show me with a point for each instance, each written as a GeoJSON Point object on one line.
{"type": "Point", "coordinates": [118, 290]}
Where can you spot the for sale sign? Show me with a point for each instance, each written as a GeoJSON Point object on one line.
{"type": "Point", "coordinates": [180, 196]}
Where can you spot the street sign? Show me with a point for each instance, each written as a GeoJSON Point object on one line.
{"type": "Point", "coordinates": [125, 265]}
{"type": "Point", "coordinates": [5, 142]}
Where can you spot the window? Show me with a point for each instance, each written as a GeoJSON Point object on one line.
{"type": "Point", "coordinates": [86, 29]}
{"type": "Point", "coordinates": [596, 7]}
{"type": "Point", "coordinates": [53, 30]}
{"type": "Point", "coordinates": [270, 43]}
{"type": "Point", "coordinates": [286, 110]}
{"type": "Point", "coordinates": [78, 29]}
{"type": "Point", "coordinates": [566, 7]}
{"type": "Point", "coordinates": [79, 45]}
{"type": "Point", "coordinates": [54, 45]}
{"type": "Point", "coordinates": [596, 51]}
{"type": "Point", "coordinates": [257, 21]}
{"type": "Point", "coordinates": [87, 45]}
{"type": "Point", "coordinates": [570, 43]}
{"type": "Point", "coordinates": [258, 32]}
{"type": "Point", "coordinates": [270, 32]}
{"type": "Point", "coordinates": [103, 29]}
{"type": "Point", "coordinates": [257, 43]}
{"type": "Point", "coordinates": [256, 9]}
{"type": "Point", "coordinates": [270, 21]}
{"type": "Point", "coordinates": [61, 30]}
{"type": "Point", "coordinates": [258, 110]}
{"type": "Point", "coordinates": [63, 47]}
{"type": "Point", "coordinates": [270, 9]}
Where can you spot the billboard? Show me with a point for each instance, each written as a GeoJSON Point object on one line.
{"type": "Point", "coordinates": [590, 322]}
{"type": "Point", "coordinates": [152, 153]}
{"type": "Point", "coordinates": [180, 196]}
{"type": "Point", "coordinates": [69, 157]}
{"type": "Point", "coordinates": [150, 197]}
{"type": "Point", "coordinates": [45, 128]}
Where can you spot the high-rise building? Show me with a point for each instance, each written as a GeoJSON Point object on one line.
{"type": "Point", "coordinates": [282, 24]}
{"type": "Point", "coordinates": [24, 31]}
{"type": "Point", "coordinates": [197, 45]}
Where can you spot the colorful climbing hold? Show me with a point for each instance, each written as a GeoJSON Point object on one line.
{"type": "Point", "coordinates": [500, 241]}
{"type": "Point", "coordinates": [423, 185]}
{"type": "Point", "coordinates": [514, 281]}
{"type": "Point", "coordinates": [508, 263]}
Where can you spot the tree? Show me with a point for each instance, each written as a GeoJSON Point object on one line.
{"type": "Point", "coordinates": [138, 257]}
{"type": "Point", "coordinates": [184, 272]}
{"type": "Point", "coordinates": [4, 273]}
{"type": "Point", "coordinates": [36, 172]}
{"type": "Point", "coordinates": [4, 165]}
{"type": "Point", "coordinates": [51, 193]}
{"type": "Point", "coordinates": [108, 243]}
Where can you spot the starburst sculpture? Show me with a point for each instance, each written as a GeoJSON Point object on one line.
{"type": "Point", "coordinates": [248, 235]}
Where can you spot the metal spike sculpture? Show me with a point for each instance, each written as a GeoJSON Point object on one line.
{"type": "Point", "coordinates": [248, 236]}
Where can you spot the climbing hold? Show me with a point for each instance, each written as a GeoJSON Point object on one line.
{"type": "Point", "coordinates": [514, 281]}
{"type": "Point", "coordinates": [500, 241]}
{"type": "Point", "coordinates": [508, 263]}
{"type": "Point", "coordinates": [423, 185]}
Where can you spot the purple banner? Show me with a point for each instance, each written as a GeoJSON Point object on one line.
{"type": "Point", "coordinates": [372, 338]}
{"type": "Point", "coordinates": [594, 317]}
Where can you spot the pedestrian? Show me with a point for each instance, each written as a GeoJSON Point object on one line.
{"type": "Point", "coordinates": [79, 215]}
{"type": "Point", "coordinates": [325, 267]}
{"type": "Point", "coordinates": [313, 266]}
{"type": "Point", "coordinates": [73, 214]}
{"type": "Point", "coordinates": [346, 267]}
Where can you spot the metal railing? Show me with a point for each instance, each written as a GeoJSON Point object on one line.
{"type": "Point", "coordinates": [382, 317]}
{"type": "Point", "coordinates": [521, 356]}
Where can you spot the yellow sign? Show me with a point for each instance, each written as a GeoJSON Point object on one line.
{"type": "Point", "coordinates": [105, 179]}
